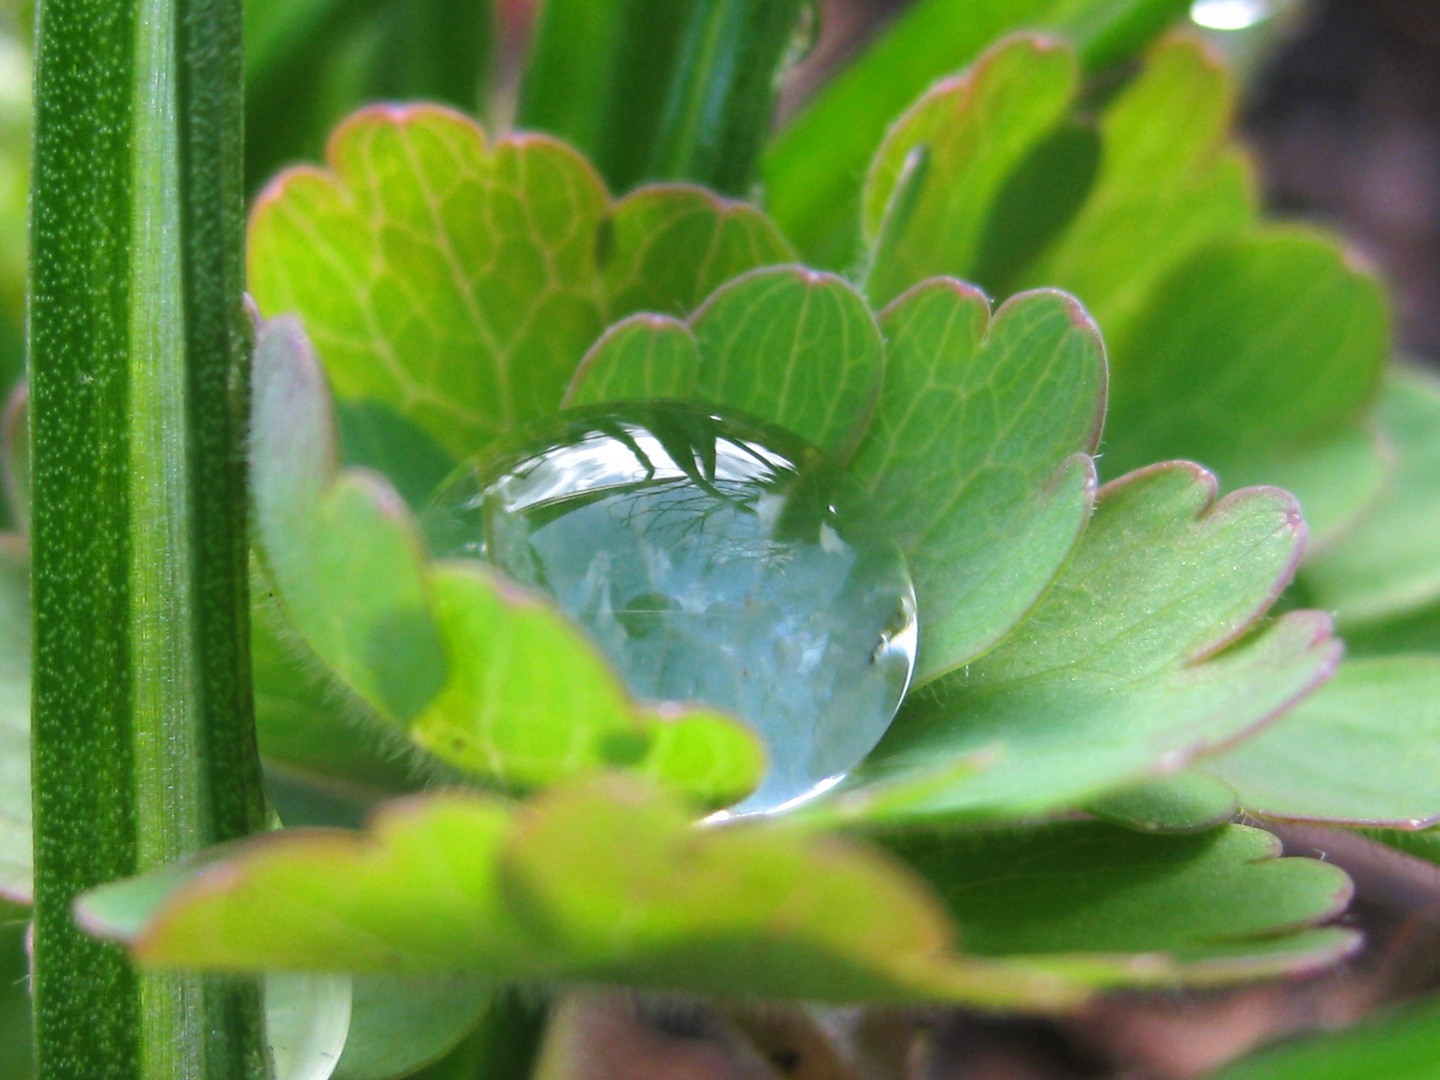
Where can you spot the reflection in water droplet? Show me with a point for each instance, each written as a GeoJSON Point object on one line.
{"type": "Point", "coordinates": [714, 561]}
{"type": "Point", "coordinates": [307, 1019]}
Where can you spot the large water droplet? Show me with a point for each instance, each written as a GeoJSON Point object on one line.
{"type": "Point", "coordinates": [714, 560]}
{"type": "Point", "coordinates": [307, 1019]}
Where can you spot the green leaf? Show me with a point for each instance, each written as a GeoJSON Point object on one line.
{"type": "Point", "coordinates": [459, 284]}
{"type": "Point", "coordinates": [461, 883]}
{"type": "Point", "coordinates": [301, 723]}
{"type": "Point", "coordinates": [1339, 478]}
{"type": "Point", "coordinates": [644, 356]}
{"type": "Point", "coordinates": [1254, 351]}
{"type": "Point", "coordinates": [976, 455]}
{"type": "Point", "coordinates": [1423, 845]}
{"type": "Point", "coordinates": [322, 531]}
{"type": "Point", "coordinates": [1397, 1045]}
{"type": "Point", "coordinates": [274, 28]}
{"type": "Point", "coordinates": [1215, 328]}
{"type": "Point", "coordinates": [1417, 632]}
{"type": "Point", "coordinates": [1389, 564]}
{"type": "Point", "coordinates": [399, 1025]}
{"type": "Point", "coordinates": [435, 50]}
{"type": "Point", "coordinates": [935, 180]}
{"type": "Point", "coordinates": [452, 280]}
{"type": "Point", "coordinates": [16, 1042]}
{"type": "Point", "coordinates": [15, 843]}
{"type": "Point", "coordinates": [813, 170]}
{"type": "Point", "coordinates": [1039, 198]}
{"type": "Point", "coordinates": [1186, 802]}
{"type": "Point", "coordinates": [307, 64]}
{"type": "Point", "coordinates": [794, 347]}
{"type": "Point", "coordinates": [377, 437]}
{"type": "Point", "coordinates": [1136, 660]}
{"type": "Point", "coordinates": [1364, 749]}
{"type": "Point", "coordinates": [1168, 182]}
{"type": "Point", "coordinates": [666, 247]}
{"type": "Point", "coordinates": [310, 723]}
{"type": "Point", "coordinates": [1215, 906]}
{"type": "Point", "coordinates": [504, 1046]}
{"type": "Point", "coordinates": [505, 716]}
{"type": "Point", "coordinates": [446, 654]}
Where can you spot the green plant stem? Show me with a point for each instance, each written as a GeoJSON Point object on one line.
{"type": "Point", "coordinates": [718, 108]}
{"type": "Point", "coordinates": [143, 725]}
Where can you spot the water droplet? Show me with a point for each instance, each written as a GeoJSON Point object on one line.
{"type": "Point", "coordinates": [713, 560]}
{"type": "Point", "coordinates": [307, 1020]}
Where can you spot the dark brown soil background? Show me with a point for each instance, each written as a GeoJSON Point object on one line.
{"type": "Point", "coordinates": [1345, 118]}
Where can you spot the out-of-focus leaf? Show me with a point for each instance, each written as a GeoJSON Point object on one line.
{"type": "Point", "coordinates": [321, 532]}
{"type": "Point", "coordinates": [505, 716]}
{"type": "Point", "coordinates": [505, 1045]}
{"type": "Point", "coordinates": [15, 1004]}
{"type": "Point", "coordinates": [1212, 907]}
{"type": "Point", "coordinates": [377, 437]}
{"type": "Point", "coordinates": [1417, 632]}
{"type": "Point", "coordinates": [937, 177]}
{"type": "Point", "coordinates": [813, 170]}
{"type": "Point", "coordinates": [1423, 845]}
{"type": "Point", "coordinates": [1389, 565]}
{"type": "Point", "coordinates": [400, 1025]}
{"type": "Point", "coordinates": [598, 74]}
{"type": "Point", "coordinates": [308, 723]}
{"type": "Point", "coordinates": [1339, 478]}
{"type": "Point", "coordinates": [794, 347]}
{"type": "Point", "coordinates": [644, 356]}
{"type": "Point", "coordinates": [1168, 182]}
{"type": "Point", "coordinates": [666, 247]}
{"type": "Point", "coordinates": [273, 29]}
{"type": "Point", "coordinates": [436, 50]}
{"type": "Point", "coordinates": [15, 854]}
{"type": "Point", "coordinates": [459, 883]}
{"type": "Point", "coordinates": [1399, 1045]}
{"type": "Point", "coordinates": [1364, 749]}
{"type": "Point", "coordinates": [1039, 198]}
{"type": "Point", "coordinates": [977, 455]}
{"type": "Point", "coordinates": [1135, 661]}
{"type": "Point", "coordinates": [450, 279]}
{"type": "Point", "coordinates": [15, 135]}
{"type": "Point", "coordinates": [1256, 350]}
{"type": "Point", "coordinates": [1186, 802]}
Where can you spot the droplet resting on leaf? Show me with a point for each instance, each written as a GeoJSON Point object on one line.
{"type": "Point", "coordinates": [714, 560]}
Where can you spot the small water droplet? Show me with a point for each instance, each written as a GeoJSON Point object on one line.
{"type": "Point", "coordinates": [713, 560]}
